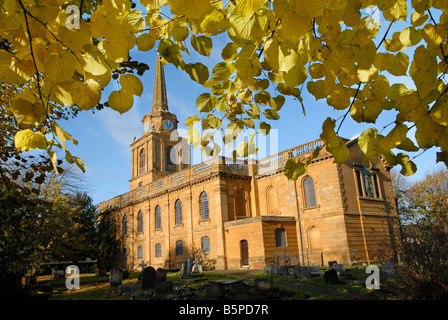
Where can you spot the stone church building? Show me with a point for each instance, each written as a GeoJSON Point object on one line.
{"type": "Point", "coordinates": [245, 214]}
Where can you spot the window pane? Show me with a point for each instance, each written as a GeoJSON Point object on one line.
{"type": "Point", "coordinates": [205, 244]}
{"type": "Point", "coordinates": [158, 218]}
{"type": "Point", "coordinates": [140, 252]}
{"type": "Point", "coordinates": [204, 205]}
{"type": "Point", "coordinates": [140, 222]}
{"type": "Point", "coordinates": [125, 225]}
{"type": "Point", "coordinates": [358, 181]}
{"type": "Point", "coordinates": [280, 237]}
{"type": "Point", "coordinates": [377, 187]}
{"type": "Point", "coordinates": [158, 250]}
{"type": "Point", "coordinates": [142, 161]}
{"type": "Point", "coordinates": [178, 212]}
{"type": "Point", "coordinates": [368, 186]}
{"type": "Point", "coordinates": [310, 195]}
{"type": "Point", "coordinates": [179, 248]}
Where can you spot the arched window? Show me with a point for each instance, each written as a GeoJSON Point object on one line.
{"type": "Point", "coordinates": [125, 226]}
{"type": "Point", "coordinates": [179, 247]}
{"type": "Point", "coordinates": [158, 218]}
{"type": "Point", "coordinates": [140, 252]}
{"type": "Point", "coordinates": [314, 240]}
{"type": "Point", "coordinates": [204, 205]}
{"type": "Point", "coordinates": [158, 250]}
{"type": "Point", "coordinates": [178, 207]}
{"type": "Point", "coordinates": [280, 237]}
{"type": "Point", "coordinates": [205, 244]}
{"type": "Point", "coordinates": [140, 222]}
{"type": "Point", "coordinates": [310, 194]}
{"type": "Point", "coordinates": [168, 155]}
{"type": "Point", "coordinates": [142, 166]}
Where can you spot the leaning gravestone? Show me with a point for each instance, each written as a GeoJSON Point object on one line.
{"type": "Point", "coordinates": [115, 277]}
{"type": "Point", "coordinates": [149, 278]}
{"type": "Point", "coordinates": [161, 275]}
{"type": "Point", "coordinates": [187, 268]}
{"type": "Point", "coordinates": [283, 271]}
{"type": "Point", "coordinates": [270, 269]}
{"type": "Point", "coordinates": [197, 267]}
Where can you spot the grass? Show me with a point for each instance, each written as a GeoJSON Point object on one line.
{"type": "Point", "coordinates": [97, 288]}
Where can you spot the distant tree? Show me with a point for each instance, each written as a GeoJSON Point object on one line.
{"type": "Point", "coordinates": [423, 273]}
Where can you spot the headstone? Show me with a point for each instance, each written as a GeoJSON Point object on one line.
{"type": "Point", "coordinates": [270, 269]}
{"type": "Point", "coordinates": [197, 267]}
{"type": "Point", "coordinates": [143, 265]}
{"type": "Point", "coordinates": [127, 289]}
{"type": "Point", "coordinates": [161, 275]}
{"type": "Point", "coordinates": [115, 277]}
{"type": "Point", "coordinates": [331, 263]}
{"type": "Point", "coordinates": [388, 267]}
{"type": "Point", "coordinates": [315, 271]}
{"type": "Point", "coordinates": [283, 271]}
{"type": "Point", "coordinates": [187, 268]}
{"type": "Point", "coordinates": [331, 276]}
{"type": "Point", "coordinates": [57, 274]}
{"type": "Point", "coordinates": [264, 284]}
{"type": "Point", "coordinates": [338, 268]}
{"type": "Point", "coordinates": [148, 278]}
{"type": "Point", "coordinates": [214, 290]}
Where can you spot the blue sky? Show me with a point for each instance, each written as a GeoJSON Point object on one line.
{"type": "Point", "coordinates": [104, 137]}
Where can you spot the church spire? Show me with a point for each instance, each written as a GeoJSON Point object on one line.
{"type": "Point", "coordinates": [159, 102]}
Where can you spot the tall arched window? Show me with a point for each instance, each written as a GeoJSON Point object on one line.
{"type": "Point", "coordinates": [158, 218]}
{"type": "Point", "coordinates": [310, 194]}
{"type": "Point", "coordinates": [140, 252]}
{"type": "Point", "coordinates": [125, 226]}
{"type": "Point", "coordinates": [205, 244]}
{"type": "Point", "coordinates": [140, 222]}
{"type": "Point", "coordinates": [179, 247]}
{"type": "Point", "coordinates": [178, 207]}
{"type": "Point", "coordinates": [280, 237]}
{"type": "Point", "coordinates": [168, 155]}
{"type": "Point", "coordinates": [204, 205]}
{"type": "Point", "coordinates": [142, 166]}
{"type": "Point", "coordinates": [158, 250]}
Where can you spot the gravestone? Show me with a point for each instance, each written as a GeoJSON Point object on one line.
{"type": "Point", "coordinates": [270, 269]}
{"type": "Point", "coordinates": [331, 263]}
{"type": "Point", "coordinates": [187, 267]}
{"type": "Point", "coordinates": [161, 275]}
{"type": "Point", "coordinates": [57, 274]}
{"type": "Point", "coordinates": [127, 289]}
{"type": "Point", "coordinates": [315, 271]}
{"type": "Point", "coordinates": [148, 278]}
{"type": "Point", "coordinates": [197, 267]}
{"type": "Point", "coordinates": [115, 277]}
{"type": "Point", "coordinates": [214, 290]}
{"type": "Point", "coordinates": [264, 284]}
{"type": "Point", "coordinates": [338, 268]}
{"type": "Point", "coordinates": [331, 276]}
{"type": "Point", "coordinates": [387, 267]}
{"type": "Point", "coordinates": [283, 271]}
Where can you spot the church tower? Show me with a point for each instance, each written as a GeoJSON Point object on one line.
{"type": "Point", "coordinates": [152, 152]}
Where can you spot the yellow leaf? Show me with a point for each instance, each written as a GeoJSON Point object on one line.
{"type": "Point", "coordinates": [27, 140]}
{"type": "Point", "coordinates": [115, 49]}
{"type": "Point", "coordinates": [121, 101]}
{"type": "Point", "coordinates": [279, 56]}
{"type": "Point", "coordinates": [399, 64]}
{"type": "Point", "coordinates": [197, 72]}
{"type": "Point", "coordinates": [202, 44]}
{"type": "Point", "coordinates": [434, 36]}
{"type": "Point", "coordinates": [87, 94]}
{"type": "Point", "coordinates": [28, 108]}
{"type": "Point", "coordinates": [249, 6]}
{"type": "Point", "coordinates": [230, 51]}
{"type": "Point", "coordinates": [214, 22]}
{"type": "Point", "coordinates": [191, 8]}
{"type": "Point", "coordinates": [131, 84]}
{"type": "Point", "coordinates": [410, 36]}
{"type": "Point", "coordinates": [394, 137]}
{"type": "Point", "coordinates": [92, 60]}
{"type": "Point", "coordinates": [146, 41]}
{"type": "Point", "coordinates": [439, 111]}
{"type": "Point", "coordinates": [366, 75]}
{"type": "Point", "coordinates": [62, 135]}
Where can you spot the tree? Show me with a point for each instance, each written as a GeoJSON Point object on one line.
{"type": "Point", "coordinates": [424, 273]}
{"type": "Point", "coordinates": [65, 53]}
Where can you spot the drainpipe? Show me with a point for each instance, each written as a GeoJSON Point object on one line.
{"type": "Point", "coordinates": [300, 223]}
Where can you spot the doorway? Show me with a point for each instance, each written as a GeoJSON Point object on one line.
{"type": "Point", "coordinates": [244, 248]}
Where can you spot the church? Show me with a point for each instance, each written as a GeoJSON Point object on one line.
{"type": "Point", "coordinates": [246, 213]}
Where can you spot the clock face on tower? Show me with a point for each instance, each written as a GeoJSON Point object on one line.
{"type": "Point", "coordinates": [168, 124]}
{"type": "Point", "coordinates": [146, 126]}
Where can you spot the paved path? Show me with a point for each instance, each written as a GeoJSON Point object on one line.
{"type": "Point", "coordinates": [252, 275]}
